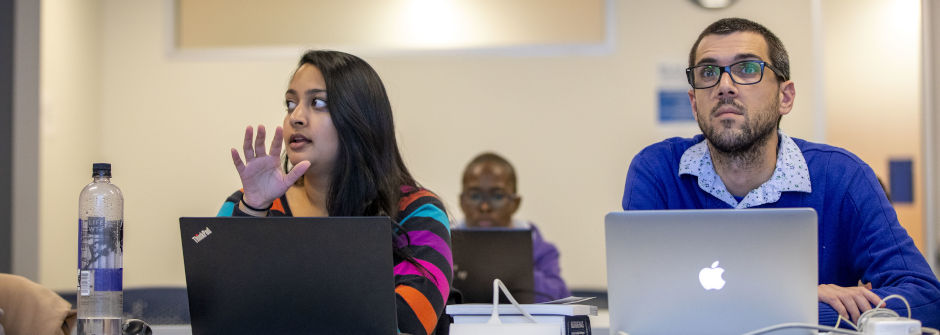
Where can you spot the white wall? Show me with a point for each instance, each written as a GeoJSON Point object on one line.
{"type": "Point", "coordinates": [70, 134]}
{"type": "Point", "coordinates": [571, 123]}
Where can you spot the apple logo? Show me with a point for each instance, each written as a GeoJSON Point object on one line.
{"type": "Point", "coordinates": [711, 277]}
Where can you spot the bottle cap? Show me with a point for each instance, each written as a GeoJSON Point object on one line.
{"type": "Point", "coordinates": [101, 169]}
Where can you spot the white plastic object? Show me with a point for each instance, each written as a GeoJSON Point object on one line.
{"type": "Point", "coordinates": [891, 326]}
{"type": "Point", "coordinates": [495, 327]}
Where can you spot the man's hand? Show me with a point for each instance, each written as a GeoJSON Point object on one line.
{"type": "Point", "coordinates": [850, 302]}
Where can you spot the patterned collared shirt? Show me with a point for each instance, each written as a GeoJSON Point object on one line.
{"type": "Point", "coordinates": [790, 175]}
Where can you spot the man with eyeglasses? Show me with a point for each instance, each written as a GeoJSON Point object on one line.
{"type": "Point", "coordinates": [743, 160]}
{"type": "Point", "coordinates": [489, 199]}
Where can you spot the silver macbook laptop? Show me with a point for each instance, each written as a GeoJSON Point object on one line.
{"type": "Point", "coordinates": [711, 271]}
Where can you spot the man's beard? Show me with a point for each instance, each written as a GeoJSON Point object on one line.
{"type": "Point", "coordinates": [747, 143]}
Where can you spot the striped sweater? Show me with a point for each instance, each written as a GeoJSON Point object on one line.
{"type": "Point", "coordinates": [421, 291]}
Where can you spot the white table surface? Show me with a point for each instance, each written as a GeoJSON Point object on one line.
{"type": "Point", "coordinates": [600, 325]}
{"type": "Point", "coordinates": [171, 330]}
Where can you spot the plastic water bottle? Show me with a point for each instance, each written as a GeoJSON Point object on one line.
{"type": "Point", "coordinates": [100, 255]}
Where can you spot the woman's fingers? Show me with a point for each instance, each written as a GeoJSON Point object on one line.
{"type": "Point", "coordinates": [259, 142]}
{"type": "Point", "coordinates": [296, 172]}
{"type": "Point", "coordinates": [236, 158]}
{"type": "Point", "coordinates": [249, 151]}
{"type": "Point", "coordinates": [277, 142]}
{"type": "Point", "coordinates": [254, 145]}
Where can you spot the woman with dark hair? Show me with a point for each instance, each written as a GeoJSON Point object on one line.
{"type": "Point", "coordinates": [342, 160]}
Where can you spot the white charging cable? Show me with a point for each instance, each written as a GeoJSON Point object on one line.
{"type": "Point", "coordinates": [840, 319]}
{"type": "Point", "coordinates": [494, 317]}
{"type": "Point", "coordinates": [831, 330]}
{"type": "Point", "coordinates": [860, 329]}
{"type": "Point", "coordinates": [879, 312]}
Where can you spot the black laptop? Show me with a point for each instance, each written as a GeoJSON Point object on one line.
{"type": "Point", "coordinates": [288, 275]}
{"type": "Point", "coordinates": [483, 254]}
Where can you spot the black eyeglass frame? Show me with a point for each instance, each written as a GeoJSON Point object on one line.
{"type": "Point", "coordinates": [690, 73]}
{"type": "Point", "coordinates": [488, 198]}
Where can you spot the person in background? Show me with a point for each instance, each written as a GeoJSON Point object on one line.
{"type": "Point", "coordinates": [343, 160]}
{"type": "Point", "coordinates": [741, 88]}
{"type": "Point", "coordinates": [489, 199]}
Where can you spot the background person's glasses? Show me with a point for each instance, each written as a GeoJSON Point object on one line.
{"type": "Point", "coordinates": [495, 199]}
{"type": "Point", "coordinates": [746, 72]}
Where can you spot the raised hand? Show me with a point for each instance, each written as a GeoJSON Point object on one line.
{"type": "Point", "coordinates": [262, 179]}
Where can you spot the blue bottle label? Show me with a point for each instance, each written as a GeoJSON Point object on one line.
{"type": "Point", "coordinates": [109, 279]}
{"type": "Point", "coordinates": [100, 280]}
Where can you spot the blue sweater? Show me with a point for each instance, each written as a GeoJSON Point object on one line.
{"type": "Point", "coordinates": [859, 234]}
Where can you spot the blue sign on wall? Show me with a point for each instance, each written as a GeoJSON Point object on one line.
{"type": "Point", "coordinates": [901, 180]}
{"type": "Point", "coordinates": [674, 105]}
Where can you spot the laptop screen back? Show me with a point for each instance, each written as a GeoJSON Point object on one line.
{"type": "Point", "coordinates": [289, 275]}
{"type": "Point", "coordinates": [484, 254]}
{"type": "Point", "coordinates": [711, 271]}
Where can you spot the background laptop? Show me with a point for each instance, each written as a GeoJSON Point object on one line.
{"type": "Point", "coordinates": [289, 275]}
{"type": "Point", "coordinates": [484, 254]}
{"type": "Point", "coordinates": [654, 261]}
